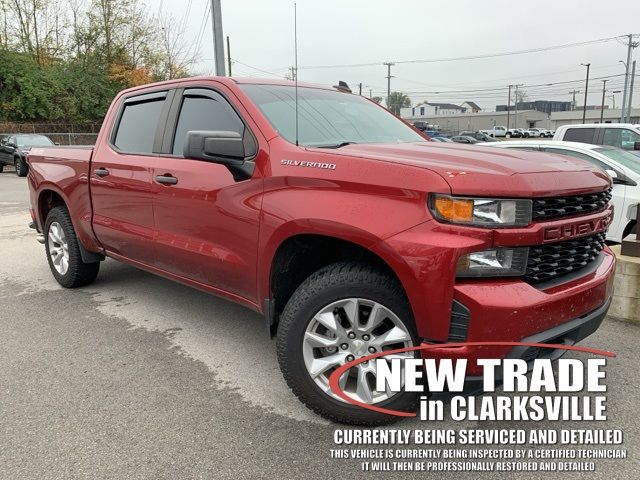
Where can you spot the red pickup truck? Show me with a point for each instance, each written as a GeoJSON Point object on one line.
{"type": "Point", "coordinates": [345, 227]}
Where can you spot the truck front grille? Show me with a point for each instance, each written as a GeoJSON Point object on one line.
{"type": "Point", "coordinates": [557, 207]}
{"type": "Point", "coordinates": [550, 261]}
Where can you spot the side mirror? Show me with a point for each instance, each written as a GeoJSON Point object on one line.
{"type": "Point", "coordinates": [222, 147]}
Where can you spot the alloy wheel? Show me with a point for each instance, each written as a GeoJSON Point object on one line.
{"type": "Point", "coordinates": [347, 330]}
{"type": "Point", "coordinates": [58, 248]}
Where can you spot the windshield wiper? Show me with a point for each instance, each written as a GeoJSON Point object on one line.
{"type": "Point", "coordinates": [337, 145]}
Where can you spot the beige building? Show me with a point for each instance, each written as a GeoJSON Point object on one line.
{"type": "Point", "coordinates": [593, 116]}
{"type": "Point", "coordinates": [484, 120]}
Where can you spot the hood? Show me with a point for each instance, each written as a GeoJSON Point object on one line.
{"type": "Point", "coordinates": [484, 170]}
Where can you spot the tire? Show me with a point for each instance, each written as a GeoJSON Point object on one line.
{"type": "Point", "coordinates": [21, 167]}
{"type": "Point", "coordinates": [1, 167]}
{"type": "Point", "coordinates": [60, 237]}
{"type": "Point", "coordinates": [335, 284]}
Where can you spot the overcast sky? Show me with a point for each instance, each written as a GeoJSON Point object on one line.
{"type": "Point", "coordinates": [332, 32]}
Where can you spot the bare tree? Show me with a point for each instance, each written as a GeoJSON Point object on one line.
{"type": "Point", "coordinates": [173, 56]}
{"type": "Point", "coordinates": [40, 24]}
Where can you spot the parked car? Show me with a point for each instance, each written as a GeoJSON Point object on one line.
{"type": "Point", "coordinates": [349, 240]}
{"type": "Point", "coordinates": [622, 166]}
{"type": "Point", "coordinates": [15, 148]}
{"type": "Point", "coordinates": [422, 126]}
{"type": "Point", "coordinates": [441, 139]}
{"type": "Point", "coordinates": [479, 136]}
{"type": "Point", "coordinates": [497, 131]}
{"type": "Point", "coordinates": [539, 132]}
{"type": "Point", "coordinates": [620, 135]}
{"type": "Point", "coordinates": [463, 139]}
{"type": "Point", "coordinates": [524, 132]}
{"type": "Point", "coordinates": [514, 133]}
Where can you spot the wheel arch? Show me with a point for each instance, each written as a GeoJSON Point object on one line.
{"type": "Point", "coordinates": [296, 256]}
{"type": "Point", "coordinates": [50, 197]}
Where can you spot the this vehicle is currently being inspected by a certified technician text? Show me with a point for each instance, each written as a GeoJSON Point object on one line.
{"type": "Point", "coordinates": [350, 231]}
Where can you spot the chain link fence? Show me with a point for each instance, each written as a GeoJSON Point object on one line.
{"type": "Point", "coordinates": [60, 133]}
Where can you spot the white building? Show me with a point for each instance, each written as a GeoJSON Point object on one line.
{"type": "Point", "coordinates": [428, 109]}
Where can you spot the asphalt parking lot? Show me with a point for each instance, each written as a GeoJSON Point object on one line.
{"type": "Point", "coordinates": [138, 377]}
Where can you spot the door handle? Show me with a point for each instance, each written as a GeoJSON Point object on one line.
{"type": "Point", "coordinates": [101, 172]}
{"type": "Point", "coordinates": [166, 179]}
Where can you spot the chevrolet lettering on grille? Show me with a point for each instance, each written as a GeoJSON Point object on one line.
{"type": "Point", "coordinates": [577, 229]}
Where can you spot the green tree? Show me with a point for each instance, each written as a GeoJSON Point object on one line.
{"type": "Point", "coordinates": [398, 100]}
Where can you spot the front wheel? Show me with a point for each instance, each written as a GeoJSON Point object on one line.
{"type": "Point", "coordinates": [63, 251]}
{"type": "Point", "coordinates": [340, 313]}
{"type": "Point", "coordinates": [21, 167]}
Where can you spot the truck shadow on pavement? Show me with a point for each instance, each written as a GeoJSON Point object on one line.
{"type": "Point", "coordinates": [229, 339]}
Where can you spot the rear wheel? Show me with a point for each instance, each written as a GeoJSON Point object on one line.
{"type": "Point", "coordinates": [63, 251]}
{"type": "Point", "coordinates": [340, 313]}
{"type": "Point", "coordinates": [21, 167]}
{"type": "Point", "coordinates": [1, 167]}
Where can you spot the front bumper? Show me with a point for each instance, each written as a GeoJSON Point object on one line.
{"type": "Point", "coordinates": [514, 311]}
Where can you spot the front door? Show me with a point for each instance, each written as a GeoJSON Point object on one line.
{"type": "Point", "coordinates": [206, 221]}
{"type": "Point", "coordinates": [122, 180]}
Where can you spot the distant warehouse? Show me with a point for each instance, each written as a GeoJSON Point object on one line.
{"type": "Point", "coordinates": [481, 120]}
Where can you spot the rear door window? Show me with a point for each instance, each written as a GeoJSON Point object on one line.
{"type": "Point", "coordinates": [138, 124]}
{"type": "Point", "coordinates": [582, 135]}
{"type": "Point", "coordinates": [578, 155]}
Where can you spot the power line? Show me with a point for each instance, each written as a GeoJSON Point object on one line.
{"type": "Point", "coordinates": [257, 69]}
{"type": "Point", "coordinates": [503, 89]}
{"type": "Point", "coordinates": [470, 57]}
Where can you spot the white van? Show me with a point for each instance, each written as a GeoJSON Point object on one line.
{"type": "Point", "coordinates": [619, 135]}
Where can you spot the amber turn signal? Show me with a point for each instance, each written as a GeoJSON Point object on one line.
{"type": "Point", "coordinates": [454, 210]}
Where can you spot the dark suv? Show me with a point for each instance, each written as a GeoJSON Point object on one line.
{"type": "Point", "coordinates": [14, 150]}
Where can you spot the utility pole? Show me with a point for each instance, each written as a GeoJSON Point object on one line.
{"type": "Point", "coordinates": [604, 90]}
{"type": "Point", "coordinates": [509, 108]}
{"type": "Point", "coordinates": [515, 120]}
{"type": "Point", "coordinates": [360, 89]}
{"type": "Point", "coordinates": [370, 93]}
{"type": "Point", "coordinates": [586, 91]}
{"type": "Point", "coordinates": [389, 65]}
{"type": "Point", "coordinates": [228, 57]}
{"type": "Point", "coordinates": [573, 102]}
{"type": "Point", "coordinates": [218, 42]}
{"type": "Point", "coordinates": [626, 79]}
{"type": "Point", "coordinates": [633, 77]}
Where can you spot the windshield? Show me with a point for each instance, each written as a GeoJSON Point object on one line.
{"type": "Point", "coordinates": [626, 159]}
{"type": "Point", "coordinates": [33, 141]}
{"type": "Point", "coordinates": [327, 118]}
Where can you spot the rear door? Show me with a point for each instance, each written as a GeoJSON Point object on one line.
{"type": "Point", "coordinates": [122, 172]}
{"type": "Point", "coordinates": [206, 221]}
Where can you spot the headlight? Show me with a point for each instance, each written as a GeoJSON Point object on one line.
{"type": "Point", "coordinates": [481, 212]}
{"type": "Point", "coordinates": [499, 262]}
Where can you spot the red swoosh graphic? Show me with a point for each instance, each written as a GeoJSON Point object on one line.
{"type": "Point", "coordinates": [334, 379]}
